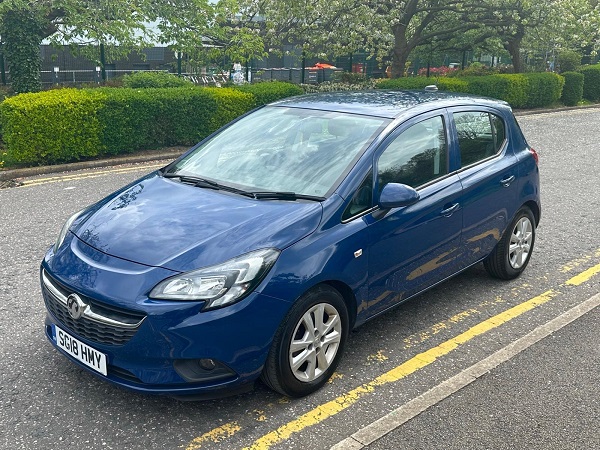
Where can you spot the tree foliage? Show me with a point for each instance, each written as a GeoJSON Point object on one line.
{"type": "Point", "coordinates": [569, 61]}
{"type": "Point", "coordinates": [389, 30]}
{"type": "Point", "coordinates": [24, 24]}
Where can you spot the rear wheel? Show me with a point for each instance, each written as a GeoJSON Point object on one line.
{"type": "Point", "coordinates": [512, 253]}
{"type": "Point", "coordinates": [309, 343]}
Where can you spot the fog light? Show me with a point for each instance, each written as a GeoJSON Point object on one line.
{"type": "Point", "coordinates": [205, 369]}
{"type": "Point", "coordinates": [208, 364]}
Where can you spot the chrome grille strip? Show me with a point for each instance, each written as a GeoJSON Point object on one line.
{"type": "Point", "coordinates": [87, 313]}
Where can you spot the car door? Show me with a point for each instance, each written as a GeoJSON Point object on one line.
{"type": "Point", "coordinates": [488, 175]}
{"type": "Point", "coordinates": [416, 246]}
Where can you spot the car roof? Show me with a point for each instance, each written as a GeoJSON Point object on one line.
{"type": "Point", "coordinates": [384, 103]}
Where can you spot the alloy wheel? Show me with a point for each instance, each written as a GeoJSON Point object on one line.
{"type": "Point", "coordinates": [315, 342]}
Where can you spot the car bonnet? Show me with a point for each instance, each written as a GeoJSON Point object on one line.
{"type": "Point", "coordinates": [164, 223]}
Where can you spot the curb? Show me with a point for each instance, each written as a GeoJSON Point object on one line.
{"type": "Point", "coordinates": [531, 112]}
{"type": "Point", "coordinates": [164, 154]}
{"type": "Point", "coordinates": [399, 416]}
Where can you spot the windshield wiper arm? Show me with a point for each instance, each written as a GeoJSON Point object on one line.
{"type": "Point", "coordinates": [204, 183]}
{"type": "Point", "coordinates": [187, 178]}
{"type": "Point", "coordinates": [285, 196]}
{"type": "Point", "coordinates": [209, 184]}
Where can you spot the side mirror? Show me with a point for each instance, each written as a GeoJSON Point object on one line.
{"type": "Point", "coordinates": [395, 195]}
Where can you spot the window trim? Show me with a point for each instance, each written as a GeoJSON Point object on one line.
{"type": "Point", "coordinates": [361, 214]}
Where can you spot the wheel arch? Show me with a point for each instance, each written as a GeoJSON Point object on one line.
{"type": "Point", "coordinates": [535, 209]}
{"type": "Point", "coordinates": [348, 296]}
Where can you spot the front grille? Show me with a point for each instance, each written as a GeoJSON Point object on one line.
{"type": "Point", "coordinates": [109, 325]}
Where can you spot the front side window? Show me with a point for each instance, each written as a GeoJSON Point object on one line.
{"type": "Point", "coordinates": [284, 150]}
{"type": "Point", "coordinates": [480, 135]}
{"type": "Point", "coordinates": [416, 156]}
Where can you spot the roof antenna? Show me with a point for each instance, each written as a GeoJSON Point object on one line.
{"type": "Point", "coordinates": [431, 88]}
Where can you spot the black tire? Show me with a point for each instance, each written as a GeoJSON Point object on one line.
{"type": "Point", "coordinates": [507, 265]}
{"type": "Point", "coordinates": [278, 373]}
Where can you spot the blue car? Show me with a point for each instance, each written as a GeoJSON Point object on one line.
{"type": "Point", "coordinates": [256, 252]}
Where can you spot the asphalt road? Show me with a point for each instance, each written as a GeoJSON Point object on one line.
{"type": "Point", "coordinates": [557, 407]}
{"type": "Point", "coordinates": [47, 402]}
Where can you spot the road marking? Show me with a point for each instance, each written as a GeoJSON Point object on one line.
{"type": "Point", "coordinates": [215, 435]}
{"type": "Point", "coordinates": [339, 404]}
{"type": "Point", "coordinates": [335, 376]}
{"type": "Point", "coordinates": [81, 176]}
{"type": "Point", "coordinates": [584, 276]}
{"type": "Point", "coordinates": [413, 408]}
{"type": "Point", "coordinates": [379, 356]}
{"type": "Point", "coordinates": [422, 336]}
{"type": "Point", "coordinates": [579, 261]}
{"type": "Point", "coordinates": [417, 338]}
{"type": "Point", "coordinates": [261, 417]}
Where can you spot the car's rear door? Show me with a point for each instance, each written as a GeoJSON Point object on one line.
{"type": "Point", "coordinates": [488, 174]}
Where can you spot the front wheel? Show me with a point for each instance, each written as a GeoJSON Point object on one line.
{"type": "Point", "coordinates": [309, 343]}
{"type": "Point", "coordinates": [512, 253]}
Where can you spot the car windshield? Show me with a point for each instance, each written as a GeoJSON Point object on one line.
{"type": "Point", "coordinates": [277, 149]}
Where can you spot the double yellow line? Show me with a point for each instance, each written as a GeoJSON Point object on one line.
{"type": "Point", "coordinates": [349, 398]}
{"type": "Point", "coordinates": [94, 174]}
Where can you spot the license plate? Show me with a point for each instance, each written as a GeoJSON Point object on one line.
{"type": "Point", "coordinates": [80, 351]}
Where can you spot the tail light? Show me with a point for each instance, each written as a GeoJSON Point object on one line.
{"type": "Point", "coordinates": [535, 155]}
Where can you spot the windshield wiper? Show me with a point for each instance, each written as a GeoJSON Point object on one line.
{"type": "Point", "coordinates": [209, 184]}
{"type": "Point", "coordinates": [193, 180]}
{"type": "Point", "coordinates": [286, 196]}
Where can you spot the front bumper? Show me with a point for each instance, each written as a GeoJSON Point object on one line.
{"type": "Point", "coordinates": [168, 334]}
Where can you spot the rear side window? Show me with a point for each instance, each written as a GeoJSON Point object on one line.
{"type": "Point", "coordinates": [416, 156]}
{"type": "Point", "coordinates": [480, 135]}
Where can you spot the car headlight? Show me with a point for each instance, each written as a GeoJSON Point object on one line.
{"type": "Point", "coordinates": [65, 230]}
{"type": "Point", "coordinates": [219, 285]}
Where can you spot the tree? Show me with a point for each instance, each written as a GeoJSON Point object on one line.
{"type": "Point", "coordinates": [512, 20]}
{"type": "Point", "coordinates": [551, 24]}
{"type": "Point", "coordinates": [572, 25]}
{"type": "Point", "coordinates": [211, 30]}
{"type": "Point", "coordinates": [120, 24]}
{"type": "Point", "coordinates": [332, 27]}
{"type": "Point", "coordinates": [21, 30]}
{"type": "Point", "coordinates": [24, 24]}
{"type": "Point", "coordinates": [413, 23]}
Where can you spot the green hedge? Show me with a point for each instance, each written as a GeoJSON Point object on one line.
{"type": "Point", "coordinates": [591, 82]}
{"type": "Point", "coordinates": [51, 127]}
{"type": "Point", "coordinates": [271, 91]}
{"type": "Point", "coordinates": [510, 88]}
{"type": "Point", "coordinates": [443, 84]}
{"type": "Point", "coordinates": [154, 80]}
{"type": "Point", "coordinates": [66, 125]}
{"type": "Point", "coordinates": [573, 90]}
{"type": "Point", "coordinates": [135, 119]}
{"type": "Point", "coordinates": [230, 104]}
{"type": "Point", "coordinates": [519, 90]}
{"type": "Point", "coordinates": [544, 89]}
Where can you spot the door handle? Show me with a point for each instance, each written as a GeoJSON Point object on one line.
{"type": "Point", "coordinates": [448, 211]}
{"type": "Point", "coordinates": [506, 181]}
